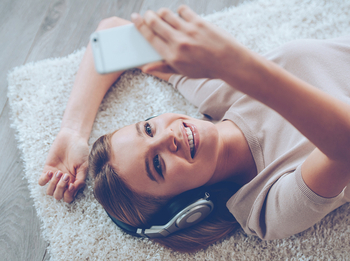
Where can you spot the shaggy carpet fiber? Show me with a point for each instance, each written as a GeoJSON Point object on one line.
{"type": "Point", "coordinates": [38, 93]}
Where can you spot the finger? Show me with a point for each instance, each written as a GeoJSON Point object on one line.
{"type": "Point", "coordinates": [53, 182]}
{"type": "Point", "coordinates": [69, 194]}
{"type": "Point", "coordinates": [61, 187]}
{"type": "Point", "coordinates": [187, 14]}
{"type": "Point", "coordinates": [144, 29]}
{"type": "Point", "coordinates": [156, 41]}
{"type": "Point", "coordinates": [171, 18]}
{"type": "Point", "coordinates": [78, 184]}
{"type": "Point", "coordinates": [73, 189]}
{"type": "Point", "coordinates": [45, 177]}
{"type": "Point", "coordinates": [159, 26]}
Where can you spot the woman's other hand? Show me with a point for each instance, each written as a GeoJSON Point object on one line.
{"type": "Point", "coordinates": [66, 166]}
{"type": "Point", "coordinates": [190, 45]}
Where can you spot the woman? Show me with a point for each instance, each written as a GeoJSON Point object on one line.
{"type": "Point", "coordinates": [283, 139]}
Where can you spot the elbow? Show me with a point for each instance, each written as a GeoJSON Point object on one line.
{"type": "Point", "coordinates": [341, 154]}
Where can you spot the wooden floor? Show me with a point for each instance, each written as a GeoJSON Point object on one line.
{"type": "Point", "coordinates": [32, 30]}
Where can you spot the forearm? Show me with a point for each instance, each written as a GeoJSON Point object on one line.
{"type": "Point", "coordinates": [88, 91]}
{"type": "Point", "coordinates": [324, 120]}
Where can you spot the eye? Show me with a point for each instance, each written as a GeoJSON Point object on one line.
{"type": "Point", "coordinates": [157, 166]}
{"type": "Point", "coordinates": [148, 129]}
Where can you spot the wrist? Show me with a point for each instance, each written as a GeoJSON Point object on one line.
{"type": "Point", "coordinates": [245, 70]}
{"type": "Point", "coordinates": [74, 128]}
{"type": "Point", "coordinates": [236, 60]}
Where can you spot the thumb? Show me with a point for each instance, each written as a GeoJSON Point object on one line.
{"type": "Point", "coordinates": [160, 66]}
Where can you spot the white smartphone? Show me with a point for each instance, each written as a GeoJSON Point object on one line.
{"type": "Point", "coordinates": [121, 48]}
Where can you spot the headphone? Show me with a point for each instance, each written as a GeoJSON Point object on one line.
{"type": "Point", "coordinates": [151, 117]}
{"type": "Point", "coordinates": [183, 211]}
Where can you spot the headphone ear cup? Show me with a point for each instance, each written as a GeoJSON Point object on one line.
{"type": "Point", "coordinates": [197, 212]}
{"type": "Point", "coordinates": [177, 204]}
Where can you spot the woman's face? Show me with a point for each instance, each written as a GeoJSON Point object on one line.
{"type": "Point", "coordinates": [155, 157]}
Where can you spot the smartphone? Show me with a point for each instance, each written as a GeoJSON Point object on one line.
{"type": "Point", "coordinates": [121, 48]}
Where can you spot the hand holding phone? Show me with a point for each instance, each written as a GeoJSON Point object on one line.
{"type": "Point", "coordinates": [121, 48]}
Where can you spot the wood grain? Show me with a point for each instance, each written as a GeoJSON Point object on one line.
{"type": "Point", "coordinates": [19, 23]}
{"type": "Point", "coordinates": [68, 25]}
{"type": "Point", "coordinates": [20, 237]}
{"type": "Point", "coordinates": [32, 30]}
{"type": "Point", "coordinates": [199, 6]}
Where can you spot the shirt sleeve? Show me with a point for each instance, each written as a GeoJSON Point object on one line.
{"type": "Point", "coordinates": [290, 207]}
{"type": "Point", "coordinates": [213, 97]}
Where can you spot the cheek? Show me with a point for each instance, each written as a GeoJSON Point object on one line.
{"type": "Point", "coordinates": [186, 176]}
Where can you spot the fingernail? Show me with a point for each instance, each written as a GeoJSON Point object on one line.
{"type": "Point", "coordinates": [70, 188]}
{"type": "Point", "coordinates": [49, 174]}
{"type": "Point", "coordinates": [58, 174]}
{"type": "Point", "coordinates": [65, 177]}
{"type": "Point", "coordinates": [134, 16]}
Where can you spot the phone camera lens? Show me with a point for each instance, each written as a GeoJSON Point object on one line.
{"type": "Point", "coordinates": [95, 39]}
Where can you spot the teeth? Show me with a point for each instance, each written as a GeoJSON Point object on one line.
{"type": "Point", "coordinates": [190, 138]}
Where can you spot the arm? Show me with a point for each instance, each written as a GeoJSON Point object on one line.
{"type": "Point", "coordinates": [197, 49]}
{"type": "Point", "coordinates": [324, 120]}
{"type": "Point", "coordinates": [66, 164]}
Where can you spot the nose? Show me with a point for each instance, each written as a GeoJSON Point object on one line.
{"type": "Point", "coordinates": [167, 139]}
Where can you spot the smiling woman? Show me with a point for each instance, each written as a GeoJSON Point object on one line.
{"type": "Point", "coordinates": [281, 138]}
{"type": "Point", "coordinates": [142, 210]}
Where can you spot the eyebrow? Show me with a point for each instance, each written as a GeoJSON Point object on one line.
{"type": "Point", "coordinates": [148, 170]}
{"type": "Point", "coordinates": [149, 173]}
{"type": "Point", "coordinates": [138, 129]}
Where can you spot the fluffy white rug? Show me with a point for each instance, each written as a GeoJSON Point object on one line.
{"type": "Point", "coordinates": [38, 93]}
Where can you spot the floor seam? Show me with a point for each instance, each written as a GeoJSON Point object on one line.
{"type": "Point", "coordinates": [3, 109]}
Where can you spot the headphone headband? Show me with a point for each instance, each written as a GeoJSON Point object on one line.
{"type": "Point", "coordinates": [151, 117]}
{"type": "Point", "coordinates": [189, 215]}
{"type": "Point", "coordinates": [126, 227]}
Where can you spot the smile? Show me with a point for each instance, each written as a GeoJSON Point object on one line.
{"type": "Point", "coordinates": [192, 134]}
{"type": "Point", "coordinates": [190, 140]}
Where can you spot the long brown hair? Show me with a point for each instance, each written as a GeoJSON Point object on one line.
{"type": "Point", "coordinates": [134, 209]}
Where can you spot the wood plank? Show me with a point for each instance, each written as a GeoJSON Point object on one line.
{"type": "Point", "coordinates": [20, 237]}
{"type": "Point", "coordinates": [19, 23]}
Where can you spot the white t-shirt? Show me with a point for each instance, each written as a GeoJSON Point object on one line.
{"type": "Point", "coordinates": [277, 203]}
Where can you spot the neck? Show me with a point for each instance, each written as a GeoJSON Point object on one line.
{"type": "Point", "coordinates": [235, 162]}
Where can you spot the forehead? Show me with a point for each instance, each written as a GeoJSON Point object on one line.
{"type": "Point", "coordinates": [128, 157]}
